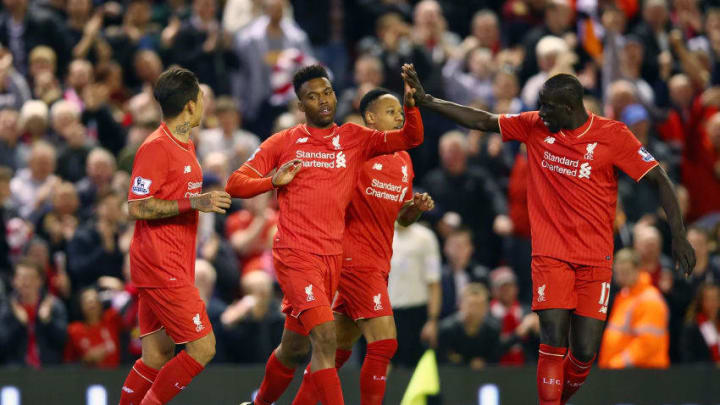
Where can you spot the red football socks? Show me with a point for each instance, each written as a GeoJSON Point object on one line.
{"type": "Point", "coordinates": [373, 374]}
{"type": "Point", "coordinates": [575, 374]}
{"type": "Point", "coordinates": [137, 383]}
{"type": "Point", "coordinates": [276, 380]}
{"type": "Point", "coordinates": [172, 378]}
{"type": "Point", "coordinates": [306, 395]}
{"type": "Point", "coordinates": [327, 386]}
{"type": "Point", "coordinates": [550, 374]}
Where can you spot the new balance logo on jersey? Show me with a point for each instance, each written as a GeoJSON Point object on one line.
{"type": "Point", "coordinates": [646, 156]}
{"type": "Point", "coordinates": [340, 161]}
{"type": "Point", "coordinates": [253, 154]}
{"type": "Point", "coordinates": [127, 389]}
{"type": "Point", "coordinates": [550, 140]}
{"type": "Point", "coordinates": [302, 140]}
{"type": "Point", "coordinates": [336, 142]}
{"type": "Point", "coordinates": [541, 293]}
{"type": "Point", "coordinates": [378, 304]}
{"type": "Point", "coordinates": [405, 173]}
{"type": "Point", "coordinates": [590, 150]}
{"type": "Point", "coordinates": [309, 293]}
{"type": "Point", "coordinates": [141, 186]}
{"type": "Point", "coordinates": [585, 169]}
{"type": "Point", "coordinates": [187, 169]}
{"type": "Point", "coordinates": [198, 324]}
{"type": "Point", "coordinates": [377, 166]}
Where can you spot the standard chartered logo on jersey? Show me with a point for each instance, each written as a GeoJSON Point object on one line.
{"type": "Point", "coordinates": [323, 160]}
{"type": "Point", "coordinates": [565, 166]}
{"type": "Point", "coordinates": [387, 191]}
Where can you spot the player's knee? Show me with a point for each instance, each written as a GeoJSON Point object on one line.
{"type": "Point", "coordinates": [293, 353]}
{"type": "Point", "coordinates": [584, 353]}
{"type": "Point", "coordinates": [323, 338]}
{"type": "Point", "coordinates": [157, 358]}
{"type": "Point", "coordinates": [202, 351]}
{"type": "Point", "coordinates": [385, 348]}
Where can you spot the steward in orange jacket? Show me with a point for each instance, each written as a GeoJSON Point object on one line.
{"type": "Point", "coordinates": [637, 331]}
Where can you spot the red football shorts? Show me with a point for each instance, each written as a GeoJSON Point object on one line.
{"type": "Point", "coordinates": [363, 294]}
{"type": "Point", "coordinates": [307, 281]}
{"type": "Point", "coordinates": [562, 285]}
{"type": "Point", "coordinates": [179, 310]}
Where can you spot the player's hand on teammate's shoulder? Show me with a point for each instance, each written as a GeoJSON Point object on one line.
{"type": "Point", "coordinates": [213, 201]}
{"type": "Point", "coordinates": [683, 255]}
{"type": "Point", "coordinates": [286, 173]}
{"type": "Point", "coordinates": [412, 85]}
{"type": "Point", "coordinates": [423, 202]}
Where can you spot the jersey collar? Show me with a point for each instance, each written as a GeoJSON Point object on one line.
{"type": "Point", "coordinates": [581, 131]}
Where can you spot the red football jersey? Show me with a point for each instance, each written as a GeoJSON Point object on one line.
{"type": "Point", "coordinates": [312, 207]}
{"type": "Point", "coordinates": [572, 188]}
{"type": "Point", "coordinates": [162, 251]}
{"type": "Point", "coordinates": [383, 187]}
{"type": "Point", "coordinates": [82, 338]}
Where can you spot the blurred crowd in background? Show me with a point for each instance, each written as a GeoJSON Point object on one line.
{"type": "Point", "coordinates": [76, 102]}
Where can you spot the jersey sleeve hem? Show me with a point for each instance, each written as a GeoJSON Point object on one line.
{"type": "Point", "coordinates": [253, 169]}
{"type": "Point", "coordinates": [647, 171]}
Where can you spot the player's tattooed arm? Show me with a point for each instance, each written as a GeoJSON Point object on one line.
{"type": "Point", "coordinates": [468, 117]}
{"type": "Point", "coordinates": [152, 208]}
{"type": "Point", "coordinates": [412, 210]}
{"type": "Point", "coordinates": [682, 251]}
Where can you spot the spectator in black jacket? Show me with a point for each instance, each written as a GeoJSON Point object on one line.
{"type": "Point", "coordinates": [469, 192]}
{"type": "Point", "coordinates": [100, 169]}
{"type": "Point", "coordinates": [94, 250]}
{"type": "Point", "coordinates": [34, 324]}
{"type": "Point", "coordinates": [700, 341]}
{"type": "Point", "coordinates": [460, 270]}
{"type": "Point", "coordinates": [22, 28]}
{"type": "Point", "coordinates": [470, 337]}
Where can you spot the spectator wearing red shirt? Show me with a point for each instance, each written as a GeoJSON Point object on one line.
{"type": "Point", "coordinates": [96, 339]}
{"type": "Point", "coordinates": [251, 232]}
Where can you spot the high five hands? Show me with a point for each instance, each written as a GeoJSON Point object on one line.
{"type": "Point", "coordinates": [412, 85]}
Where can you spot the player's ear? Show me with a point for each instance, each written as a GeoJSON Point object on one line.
{"type": "Point", "coordinates": [369, 117]}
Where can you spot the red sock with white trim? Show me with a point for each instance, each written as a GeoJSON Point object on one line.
{"type": "Point", "coordinates": [306, 395]}
{"type": "Point", "coordinates": [276, 380]}
{"type": "Point", "coordinates": [575, 373]}
{"type": "Point", "coordinates": [550, 374]}
{"type": "Point", "coordinates": [172, 379]}
{"type": "Point", "coordinates": [137, 383]}
{"type": "Point", "coordinates": [373, 375]}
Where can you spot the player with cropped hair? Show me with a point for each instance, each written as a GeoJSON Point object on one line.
{"type": "Point", "coordinates": [317, 165]}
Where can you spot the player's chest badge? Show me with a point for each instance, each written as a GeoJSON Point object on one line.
{"type": "Point", "coordinates": [590, 151]}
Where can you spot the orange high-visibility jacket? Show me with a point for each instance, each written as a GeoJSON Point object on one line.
{"type": "Point", "coordinates": [637, 331]}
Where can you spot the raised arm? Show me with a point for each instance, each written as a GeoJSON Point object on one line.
{"type": "Point", "coordinates": [468, 117]}
{"type": "Point", "coordinates": [409, 136]}
{"type": "Point", "coordinates": [682, 251]}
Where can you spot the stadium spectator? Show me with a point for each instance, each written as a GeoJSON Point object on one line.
{"type": "Point", "coordinates": [98, 117]}
{"type": "Point", "coordinates": [94, 340]}
{"type": "Point", "coordinates": [701, 335]}
{"type": "Point", "coordinates": [228, 138]}
{"type": "Point", "coordinates": [13, 154]}
{"type": "Point", "coordinates": [58, 224]}
{"type": "Point", "coordinates": [415, 291]}
{"type": "Point", "coordinates": [460, 269]}
{"type": "Point", "coordinates": [470, 337]}
{"type": "Point", "coordinates": [93, 250]}
{"type": "Point", "coordinates": [33, 120]}
{"type": "Point", "coordinates": [485, 28]}
{"type": "Point", "coordinates": [259, 46]}
{"type": "Point", "coordinates": [100, 169]}
{"type": "Point", "coordinates": [80, 75]}
{"type": "Point", "coordinates": [551, 52]}
{"type": "Point", "coordinates": [701, 167]}
{"type": "Point", "coordinates": [33, 186]}
{"type": "Point", "coordinates": [205, 278]}
{"type": "Point", "coordinates": [654, 34]}
{"type": "Point", "coordinates": [430, 31]}
{"type": "Point", "coordinates": [22, 28]}
{"type": "Point", "coordinates": [251, 231]}
{"type": "Point", "coordinates": [253, 324]}
{"type": "Point", "coordinates": [34, 323]}
{"type": "Point", "coordinates": [14, 89]}
{"type": "Point", "coordinates": [519, 328]}
{"type": "Point", "coordinates": [637, 330]}
{"type": "Point", "coordinates": [557, 23]}
{"type": "Point", "coordinates": [477, 83]}
{"type": "Point", "coordinates": [482, 204]}
{"type": "Point", "coordinates": [367, 74]}
{"type": "Point", "coordinates": [647, 243]}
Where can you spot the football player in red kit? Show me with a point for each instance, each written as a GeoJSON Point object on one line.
{"type": "Point", "coordinates": [383, 194]}
{"type": "Point", "coordinates": [164, 198]}
{"type": "Point", "coordinates": [317, 169]}
{"type": "Point", "coordinates": [572, 194]}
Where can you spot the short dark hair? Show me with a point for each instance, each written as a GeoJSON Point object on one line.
{"type": "Point", "coordinates": [567, 88]}
{"type": "Point", "coordinates": [371, 96]}
{"type": "Point", "coordinates": [174, 89]}
{"type": "Point", "coordinates": [306, 74]}
{"type": "Point", "coordinates": [32, 264]}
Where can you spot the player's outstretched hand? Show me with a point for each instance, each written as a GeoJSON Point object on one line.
{"type": "Point", "coordinates": [286, 173]}
{"type": "Point", "coordinates": [423, 202]}
{"type": "Point", "coordinates": [683, 255]}
{"type": "Point", "coordinates": [411, 80]}
{"type": "Point", "coordinates": [214, 201]}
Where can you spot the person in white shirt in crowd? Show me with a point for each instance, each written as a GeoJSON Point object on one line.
{"type": "Point", "coordinates": [228, 138]}
{"type": "Point", "coordinates": [33, 186]}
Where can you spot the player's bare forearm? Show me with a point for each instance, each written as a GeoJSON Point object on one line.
{"type": "Point", "coordinates": [668, 199]}
{"type": "Point", "coordinates": [683, 252]}
{"type": "Point", "coordinates": [468, 117]}
{"type": "Point", "coordinates": [408, 215]}
{"type": "Point", "coordinates": [434, 300]}
{"type": "Point", "coordinates": [152, 208]}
